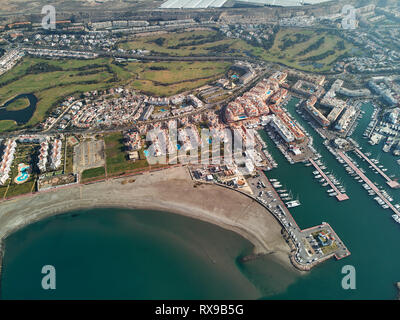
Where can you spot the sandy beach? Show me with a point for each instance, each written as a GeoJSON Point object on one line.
{"type": "Point", "coordinates": [169, 190]}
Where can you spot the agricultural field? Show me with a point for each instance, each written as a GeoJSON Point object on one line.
{"type": "Point", "coordinates": [196, 43]}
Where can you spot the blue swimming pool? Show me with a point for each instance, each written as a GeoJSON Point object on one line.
{"type": "Point", "coordinates": [23, 175]}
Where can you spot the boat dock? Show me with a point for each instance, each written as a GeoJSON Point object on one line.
{"type": "Point", "coordinates": [391, 183]}
{"type": "Point", "coordinates": [368, 182]}
{"type": "Point", "coordinates": [340, 196]}
{"type": "Point", "coordinates": [307, 251]}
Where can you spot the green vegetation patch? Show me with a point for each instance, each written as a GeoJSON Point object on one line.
{"type": "Point", "coordinates": [19, 189]}
{"type": "Point", "coordinates": [69, 159]}
{"type": "Point", "coordinates": [309, 50]}
{"type": "Point", "coordinates": [51, 81]}
{"type": "Point", "coordinates": [92, 173]}
{"type": "Point", "coordinates": [169, 78]}
{"type": "Point", "coordinates": [199, 42]}
{"type": "Point", "coordinates": [6, 125]}
{"type": "Point", "coordinates": [117, 161]}
{"type": "Point", "coordinates": [24, 154]}
{"type": "Point", "coordinates": [18, 104]}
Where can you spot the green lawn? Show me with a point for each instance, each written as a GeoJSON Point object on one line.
{"type": "Point", "coordinates": [92, 173]}
{"type": "Point", "coordinates": [6, 125]}
{"type": "Point", "coordinates": [70, 159]}
{"type": "Point", "coordinates": [169, 78]}
{"type": "Point", "coordinates": [308, 50]}
{"type": "Point", "coordinates": [199, 42]}
{"type": "Point", "coordinates": [19, 189]}
{"type": "Point", "coordinates": [117, 161]}
{"type": "Point", "coordinates": [19, 104]}
{"type": "Point", "coordinates": [2, 191]}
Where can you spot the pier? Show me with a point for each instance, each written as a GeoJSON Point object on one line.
{"type": "Point", "coordinates": [340, 196]}
{"type": "Point", "coordinates": [391, 183]}
{"type": "Point", "coordinates": [305, 255]}
{"type": "Point", "coordinates": [367, 181]}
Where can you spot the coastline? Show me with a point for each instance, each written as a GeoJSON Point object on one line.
{"type": "Point", "coordinates": [170, 190]}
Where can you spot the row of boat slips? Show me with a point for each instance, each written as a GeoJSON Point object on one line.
{"type": "Point", "coordinates": [372, 124]}
{"type": "Point", "coordinates": [308, 249]}
{"type": "Point", "coordinates": [367, 187]}
{"type": "Point", "coordinates": [391, 183]}
{"type": "Point", "coordinates": [284, 194]}
{"type": "Point", "coordinates": [337, 189]}
{"type": "Point", "coordinates": [371, 185]}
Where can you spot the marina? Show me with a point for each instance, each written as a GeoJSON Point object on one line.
{"type": "Point", "coordinates": [339, 195]}
{"type": "Point", "coordinates": [370, 184]}
{"type": "Point", "coordinates": [360, 211]}
{"type": "Point", "coordinates": [312, 245]}
{"type": "Point", "coordinates": [391, 183]}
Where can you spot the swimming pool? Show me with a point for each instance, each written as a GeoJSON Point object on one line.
{"type": "Point", "coordinates": [23, 173]}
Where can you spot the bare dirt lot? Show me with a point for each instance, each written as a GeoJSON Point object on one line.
{"type": "Point", "coordinates": [88, 154]}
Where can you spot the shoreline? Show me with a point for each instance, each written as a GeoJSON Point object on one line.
{"type": "Point", "coordinates": [171, 190]}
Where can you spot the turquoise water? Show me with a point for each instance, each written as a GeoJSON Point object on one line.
{"type": "Point", "coordinates": [111, 253]}
{"type": "Point", "coordinates": [136, 254]}
{"type": "Point", "coordinates": [23, 176]}
{"type": "Point", "coordinates": [368, 231]}
{"type": "Point", "coordinates": [125, 254]}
